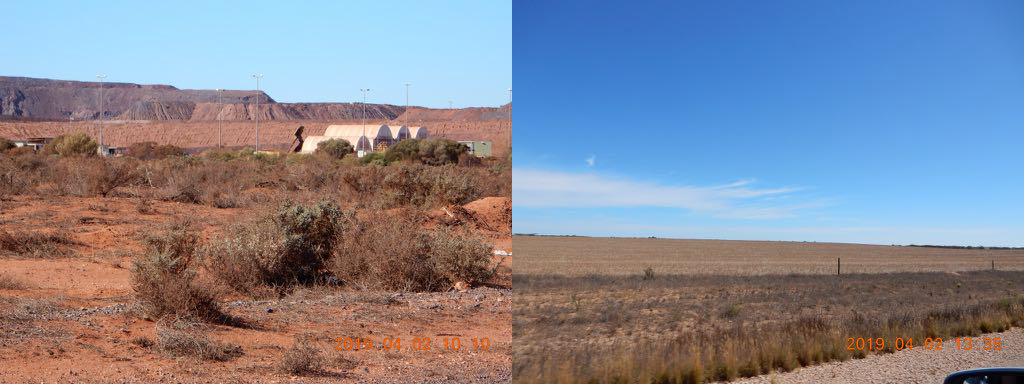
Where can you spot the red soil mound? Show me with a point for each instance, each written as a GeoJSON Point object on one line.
{"type": "Point", "coordinates": [493, 213]}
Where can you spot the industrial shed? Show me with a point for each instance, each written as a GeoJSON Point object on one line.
{"type": "Point", "coordinates": [377, 136]}
{"type": "Point", "coordinates": [417, 133]}
{"type": "Point", "coordinates": [310, 143]}
{"type": "Point", "coordinates": [399, 133]}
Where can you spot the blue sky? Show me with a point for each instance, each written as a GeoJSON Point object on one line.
{"type": "Point", "coordinates": [890, 122]}
{"type": "Point", "coordinates": [458, 50]}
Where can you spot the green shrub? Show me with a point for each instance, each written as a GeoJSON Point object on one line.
{"type": "Point", "coordinates": [441, 151]}
{"type": "Point", "coordinates": [74, 144]}
{"type": "Point", "coordinates": [148, 150]}
{"type": "Point", "coordinates": [427, 151]}
{"type": "Point", "coordinates": [374, 158]}
{"type": "Point", "coordinates": [405, 150]}
{"type": "Point", "coordinates": [334, 148]}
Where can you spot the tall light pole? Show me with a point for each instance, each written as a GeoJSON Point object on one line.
{"type": "Point", "coordinates": [258, 77]}
{"type": "Point", "coordinates": [406, 102]}
{"type": "Point", "coordinates": [220, 124]}
{"type": "Point", "coordinates": [100, 97]}
{"type": "Point", "coordinates": [364, 115]}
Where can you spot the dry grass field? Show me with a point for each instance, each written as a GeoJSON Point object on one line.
{"type": "Point", "coordinates": [587, 311]}
{"type": "Point", "coordinates": [576, 256]}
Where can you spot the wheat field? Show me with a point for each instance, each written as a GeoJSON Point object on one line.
{"type": "Point", "coordinates": [577, 256]}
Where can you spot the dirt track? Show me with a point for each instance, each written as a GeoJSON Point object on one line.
{"type": "Point", "coordinates": [909, 366]}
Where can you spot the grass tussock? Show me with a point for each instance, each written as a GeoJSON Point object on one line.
{"type": "Point", "coordinates": [302, 358]}
{"type": "Point", "coordinates": [36, 244]}
{"type": "Point", "coordinates": [182, 340]}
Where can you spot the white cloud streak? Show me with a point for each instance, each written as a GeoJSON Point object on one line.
{"type": "Point", "coordinates": [739, 200]}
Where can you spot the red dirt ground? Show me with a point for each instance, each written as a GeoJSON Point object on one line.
{"type": "Point", "coordinates": [74, 317]}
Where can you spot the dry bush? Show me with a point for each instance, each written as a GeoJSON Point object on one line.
{"type": "Point", "coordinates": [164, 280]}
{"type": "Point", "coordinates": [289, 248]}
{"type": "Point", "coordinates": [93, 176]}
{"type": "Point", "coordinates": [16, 176]}
{"type": "Point", "coordinates": [35, 244]}
{"type": "Point", "coordinates": [396, 253]}
{"type": "Point", "coordinates": [223, 183]}
{"type": "Point", "coordinates": [301, 359]}
{"type": "Point", "coordinates": [143, 341]}
{"type": "Point", "coordinates": [178, 339]}
{"type": "Point", "coordinates": [461, 257]}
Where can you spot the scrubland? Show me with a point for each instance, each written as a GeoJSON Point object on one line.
{"type": "Point", "coordinates": [239, 267]}
{"type": "Point", "coordinates": [692, 311]}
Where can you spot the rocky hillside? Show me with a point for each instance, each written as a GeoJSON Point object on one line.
{"type": "Point", "coordinates": [23, 98]}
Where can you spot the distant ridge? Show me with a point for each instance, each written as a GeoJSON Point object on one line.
{"type": "Point", "coordinates": [32, 99]}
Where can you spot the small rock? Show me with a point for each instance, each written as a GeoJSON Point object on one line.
{"type": "Point", "coordinates": [270, 310]}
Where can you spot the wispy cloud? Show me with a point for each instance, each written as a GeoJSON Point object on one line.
{"type": "Point", "coordinates": [739, 200]}
{"type": "Point", "coordinates": [591, 160]}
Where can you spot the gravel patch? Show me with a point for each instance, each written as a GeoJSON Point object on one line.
{"type": "Point", "coordinates": [908, 366]}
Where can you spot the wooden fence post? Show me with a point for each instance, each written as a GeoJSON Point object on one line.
{"type": "Point", "coordinates": [839, 266]}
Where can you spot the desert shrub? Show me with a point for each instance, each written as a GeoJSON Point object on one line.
{"type": "Point", "coordinates": [441, 151]}
{"type": "Point", "coordinates": [164, 280]}
{"type": "Point", "coordinates": [405, 150]}
{"type": "Point", "coordinates": [6, 145]}
{"type": "Point", "coordinates": [93, 176]}
{"type": "Point", "coordinates": [36, 244]}
{"type": "Point", "coordinates": [19, 174]}
{"type": "Point", "coordinates": [334, 148]}
{"type": "Point", "coordinates": [395, 253]}
{"type": "Point", "coordinates": [143, 341]}
{"type": "Point", "coordinates": [73, 144]}
{"type": "Point", "coordinates": [149, 150]}
{"type": "Point", "coordinates": [19, 151]}
{"type": "Point", "coordinates": [418, 185]}
{"type": "Point", "coordinates": [468, 160]}
{"type": "Point", "coordinates": [460, 257]}
{"type": "Point", "coordinates": [301, 359]}
{"type": "Point", "coordinates": [374, 158]}
{"type": "Point", "coordinates": [427, 151]}
{"type": "Point", "coordinates": [184, 340]}
{"type": "Point", "coordinates": [289, 248]}
{"type": "Point", "coordinates": [386, 253]}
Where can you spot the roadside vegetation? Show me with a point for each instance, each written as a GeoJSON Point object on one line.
{"type": "Point", "coordinates": [652, 328]}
